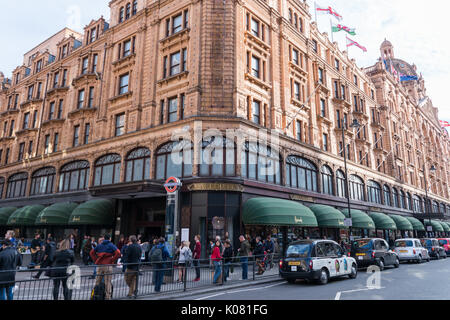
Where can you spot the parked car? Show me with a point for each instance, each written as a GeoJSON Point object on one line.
{"type": "Point", "coordinates": [317, 260]}
{"type": "Point", "coordinates": [434, 248]}
{"type": "Point", "coordinates": [374, 251]}
{"type": "Point", "coordinates": [411, 250]}
{"type": "Point", "coordinates": [445, 242]}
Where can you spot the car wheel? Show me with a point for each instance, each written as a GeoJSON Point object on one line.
{"type": "Point", "coordinates": [324, 277]}
{"type": "Point", "coordinates": [429, 259]}
{"type": "Point", "coordinates": [438, 256]}
{"type": "Point", "coordinates": [354, 272]}
{"type": "Point", "coordinates": [397, 263]}
{"type": "Point", "coordinates": [381, 264]}
{"type": "Point", "coordinates": [291, 281]}
{"type": "Point", "coordinates": [420, 259]}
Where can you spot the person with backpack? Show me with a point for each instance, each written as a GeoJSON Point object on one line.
{"type": "Point", "coordinates": [105, 255]}
{"type": "Point", "coordinates": [49, 257]}
{"type": "Point", "coordinates": [259, 255]}
{"type": "Point", "coordinates": [10, 259]}
{"type": "Point", "coordinates": [196, 256]}
{"type": "Point", "coordinates": [185, 260]}
{"type": "Point", "coordinates": [227, 259]}
{"type": "Point", "coordinates": [158, 256]}
{"type": "Point", "coordinates": [64, 257]}
{"type": "Point", "coordinates": [132, 262]}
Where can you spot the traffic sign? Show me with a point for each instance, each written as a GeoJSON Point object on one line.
{"type": "Point", "coordinates": [172, 184]}
{"type": "Point", "coordinates": [348, 222]}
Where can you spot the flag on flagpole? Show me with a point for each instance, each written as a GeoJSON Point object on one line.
{"type": "Point", "coordinates": [339, 27]}
{"type": "Point", "coordinates": [328, 10]}
{"type": "Point", "coordinates": [350, 43]}
{"type": "Point", "coordinates": [444, 123]}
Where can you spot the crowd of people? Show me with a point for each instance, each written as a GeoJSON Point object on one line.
{"type": "Point", "coordinates": [54, 257]}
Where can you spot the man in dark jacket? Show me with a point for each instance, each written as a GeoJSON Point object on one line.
{"type": "Point", "coordinates": [49, 256]}
{"type": "Point", "coordinates": [259, 255]}
{"type": "Point", "coordinates": [132, 261]}
{"type": "Point", "coordinates": [158, 256]}
{"type": "Point", "coordinates": [244, 252]}
{"type": "Point", "coordinates": [227, 258]}
{"type": "Point", "coordinates": [10, 259]}
{"type": "Point", "coordinates": [36, 247]}
{"type": "Point", "coordinates": [64, 257]}
{"type": "Point", "coordinates": [105, 255]}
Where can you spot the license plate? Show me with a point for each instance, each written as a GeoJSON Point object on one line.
{"type": "Point", "coordinates": [404, 251]}
{"type": "Point", "coordinates": [360, 254]}
{"type": "Point", "coordinates": [360, 258]}
{"type": "Point", "coordinates": [294, 268]}
{"type": "Point", "coordinates": [294, 263]}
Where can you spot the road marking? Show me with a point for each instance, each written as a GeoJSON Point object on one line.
{"type": "Point", "coordinates": [338, 294]}
{"type": "Point", "coordinates": [237, 291]}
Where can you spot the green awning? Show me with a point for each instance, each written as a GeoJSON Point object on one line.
{"type": "Point", "coordinates": [444, 226]}
{"type": "Point", "coordinates": [328, 217]}
{"type": "Point", "coordinates": [448, 223]}
{"type": "Point", "coordinates": [56, 215]}
{"type": "Point", "coordinates": [277, 212]}
{"type": "Point", "coordinates": [402, 223]}
{"type": "Point", "coordinates": [25, 216]}
{"type": "Point", "coordinates": [382, 221]}
{"type": "Point", "coordinates": [360, 219]}
{"type": "Point", "coordinates": [417, 225]}
{"type": "Point", "coordinates": [435, 224]}
{"type": "Point", "coordinates": [98, 212]}
{"type": "Point", "coordinates": [5, 213]}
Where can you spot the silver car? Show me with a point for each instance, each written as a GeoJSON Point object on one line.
{"type": "Point", "coordinates": [411, 249]}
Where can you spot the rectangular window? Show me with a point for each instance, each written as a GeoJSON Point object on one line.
{"type": "Point", "coordinates": [174, 63]}
{"type": "Point", "coordinates": [64, 51]}
{"type": "Point", "coordinates": [56, 80]}
{"type": "Point", "coordinates": [182, 106]}
{"type": "Point", "coordinates": [184, 61]}
{"type": "Point", "coordinates": [355, 80]}
{"type": "Point", "coordinates": [336, 89]}
{"type": "Point", "coordinates": [30, 92]}
{"type": "Point", "coordinates": [26, 120]}
{"type": "Point", "coordinates": [51, 111]}
{"type": "Point", "coordinates": [338, 118]}
{"type": "Point", "coordinates": [255, 67]}
{"type": "Point", "coordinates": [80, 103]}
{"type": "Point", "coordinates": [7, 156]}
{"type": "Point", "coordinates": [84, 66]}
{"type": "Point", "coordinates": [255, 27]}
{"type": "Point", "coordinates": [60, 109]}
{"type": "Point", "coordinates": [93, 35]}
{"type": "Point", "coordinates": [76, 136]}
{"type": "Point", "coordinates": [39, 89]}
{"type": "Point", "coordinates": [120, 125]}
{"type": "Point", "coordinates": [336, 64]}
{"type": "Point", "coordinates": [35, 118]}
{"type": "Point", "coordinates": [126, 48]}
{"type": "Point", "coordinates": [325, 141]}
{"type": "Point", "coordinates": [11, 128]}
{"type": "Point", "coordinates": [165, 68]}
{"type": "Point", "coordinates": [177, 23]}
{"type": "Point", "coordinates": [320, 75]}
{"type": "Point", "coordinates": [30, 149]}
{"type": "Point", "coordinates": [323, 110]}
{"type": "Point", "coordinates": [173, 109]}
{"type": "Point", "coordinates": [161, 116]}
{"type": "Point", "coordinates": [342, 92]}
{"type": "Point", "coordinates": [21, 151]}
{"type": "Point", "coordinates": [16, 101]}
{"type": "Point", "coordinates": [87, 129]}
{"type": "Point", "coordinates": [94, 63]}
{"type": "Point", "coordinates": [38, 66]}
{"type": "Point", "coordinates": [47, 144]}
{"type": "Point", "coordinates": [134, 10]}
{"type": "Point", "coordinates": [127, 11]}
{"type": "Point", "coordinates": [91, 97]}
{"type": "Point", "coordinates": [167, 27]}
{"type": "Point", "coordinates": [297, 91]}
{"type": "Point", "coordinates": [123, 83]}
{"type": "Point", "coordinates": [298, 129]}
{"type": "Point", "coordinates": [64, 79]}
{"type": "Point", "coordinates": [256, 112]}
{"type": "Point", "coordinates": [315, 48]}
{"type": "Point", "coordinates": [186, 19]}
{"type": "Point", "coordinates": [55, 142]}
{"type": "Point", "coordinates": [295, 56]}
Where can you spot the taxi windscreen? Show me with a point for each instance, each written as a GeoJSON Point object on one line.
{"type": "Point", "coordinates": [301, 250]}
{"type": "Point", "coordinates": [443, 242]}
{"type": "Point", "coordinates": [426, 243]}
{"type": "Point", "coordinates": [363, 244]}
{"type": "Point", "coordinates": [404, 243]}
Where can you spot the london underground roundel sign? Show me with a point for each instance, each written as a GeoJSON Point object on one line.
{"type": "Point", "coordinates": [172, 184]}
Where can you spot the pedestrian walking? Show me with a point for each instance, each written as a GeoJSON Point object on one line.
{"type": "Point", "coordinates": [64, 257]}
{"type": "Point", "coordinates": [259, 255]}
{"type": "Point", "coordinates": [244, 253]}
{"type": "Point", "coordinates": [132, 262]}
{"type": "Point", "coordinates": [49, 257]}
{"type": "Point", "coordinates": [124, 253]}
{"type": "Point", "coordinates": [197, 256]}
{"type": "Point", "coordinates": [10, 234]}
{"type": "Point", "coordinates": [216, 259]}
{"type": "Point", "coordinates": [87, 247]}
{"type": "Point", "coordinates": [158, 256]}
{"type": "Point", "coordinates": [185, 257]}
{"type": "Point", "coordinates": [227, 259]}
{"type": "Point", "coordinates": [10, 259]}
{"type": "Point", "coordinates": [36, 250]}
{"type": "Point", "coordinates": [105, 255]}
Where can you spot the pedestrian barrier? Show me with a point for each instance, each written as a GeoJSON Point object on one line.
{"type": "Point", "coordinates": [80, 285]}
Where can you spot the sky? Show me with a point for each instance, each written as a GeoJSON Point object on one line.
{"type": "Point", "coordinates": [418, 31]}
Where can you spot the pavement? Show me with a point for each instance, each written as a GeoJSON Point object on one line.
{"type": "Point", "coordinates": [426, 281]}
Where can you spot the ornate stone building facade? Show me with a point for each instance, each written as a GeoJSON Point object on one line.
{"type": "Point", "coordinates": [92, 115]}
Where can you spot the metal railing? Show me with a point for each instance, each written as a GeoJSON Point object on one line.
{"type": "Point", "coordinates": [175, 278]}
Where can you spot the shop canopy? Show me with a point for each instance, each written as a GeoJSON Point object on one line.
{"type": "Point", "coordinates": [444, 226]}
{"type": "Point", "coordinates": [25, 216]}
{"type": "Point", "coordinates": [5, 213]}
{"type": "Point", "coordinates": [98, 212]}
{"type": "Point", "coordinates": [328, 217]}
{"type": "Point", "coordinates": [382, 221]}
{"type": "Point", "coordinates": [56, 215]}
{"type": "Point", "coordinates": [277, 212]}
{"type": "Point", "coordinates": [360, 219]}
{"type": "Point", "coordinates": [402, 223]}
{"type": "Point", "coordinates": [435, 224]}
{"type": "Point", "coordinates": [448, 223]}
{"type": "Point", "coordinates": [417, 225]}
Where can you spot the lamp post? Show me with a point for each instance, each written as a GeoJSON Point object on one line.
{"type": "Point", "coordinates": [355, 124]}
{"type": "Point", "coordinates": [432, 169]}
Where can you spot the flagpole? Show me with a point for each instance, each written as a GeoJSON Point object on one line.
{"type": "Point", "coordinates": [332, 35]}
{"type": "Point", "coordinates": [315, 11]}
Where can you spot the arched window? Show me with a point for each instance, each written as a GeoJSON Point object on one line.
{"type": "Point", "coordinates": [395, 198]}
{"type": "Point", "coordinates": [356, 185]}
{"type": "Point", "coordinates": [121, 14]}
{"type": "Point", "coordinates": [417, 204]}
{"type": "Point", "coordinates": [127, 11]}
{"type": "Point", "coordinates": [327, 180]}
{"type": "Point", "coordinates": [374, 192]}
{"type": "Point", "coordinates": [107, 170]}
{"type": "Point", "coordinates": [259, 162]}
{"type": "Point", "coordinates": [174, 159]}
{"type": "Point", "coordinates": [134, 11]}
{"type": "Point", "coordinates": [301, 173]}
{"type": "Point", "coordinates": [74, 176]}
{"type": "Point", "coordinates": [17, 185]}
{"type": "Point", "coordinates": [42, 181]}
{"type": "Point", "coordinates": [340, 184]}
{"type": "Point", "coordinates": [387, 195]}
{"type": "Point", "coordinates": [2, 186]}
{"type": "Point", "coordinates": [435, 207]}
{"type": "Point", "coordinates": [409, 203]}
{"type": "Point", "coordinates": [218, 158]}
{"type": "Point", "coordinates": [443, 208]}
{"type": "Point", "coordinates": [138, 165]}
{"type": "Point", "coordinates": [402, 200]}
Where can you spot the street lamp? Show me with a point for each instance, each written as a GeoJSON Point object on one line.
{"type": "Point", "coordinates": [355, 124]}
{"type": "Point", "coordinates": [432, 169]}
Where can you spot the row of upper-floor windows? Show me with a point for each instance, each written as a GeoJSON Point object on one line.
{"type": "Point", "coordinates": [127, 11]}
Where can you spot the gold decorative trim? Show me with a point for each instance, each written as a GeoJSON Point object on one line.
{"type": "Point", "coordinates": [297, 197]}
{"type": "Point", "coordinates": [215, 187]}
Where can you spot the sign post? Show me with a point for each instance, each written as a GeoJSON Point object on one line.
{"type": "Point", "coordinates": [172, 186]}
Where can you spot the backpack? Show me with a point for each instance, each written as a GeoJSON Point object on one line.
{"type": "Point", "coordinates": [99, 291]}
{"type": "Point", "coordinates": [156, 255]}
{"type": "Point", "coordinates": [188, 257]}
